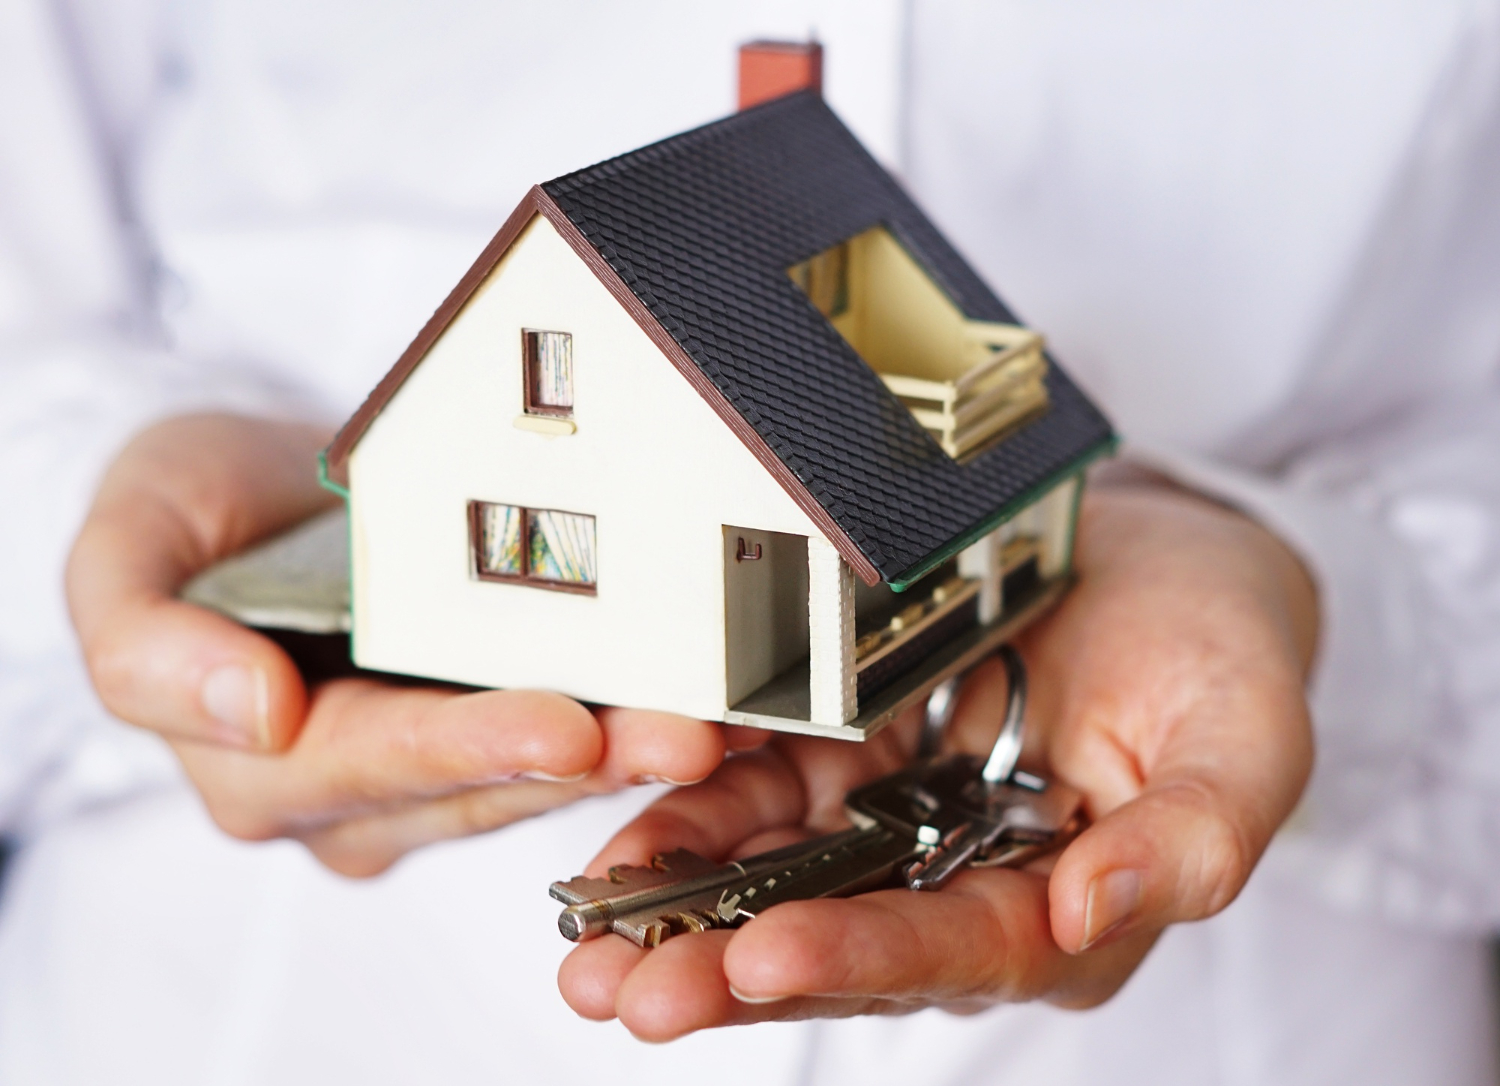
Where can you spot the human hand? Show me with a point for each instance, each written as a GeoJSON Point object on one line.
{"type": "Point", "coordinates": [1167, 687]}
{"type": "Point", "coordinates": [358, 770]}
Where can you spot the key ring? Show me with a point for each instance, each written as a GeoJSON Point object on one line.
{"type": "Point", "coordinates": [943, 700]}
{"type": "Point", "coordinates": [940, 706]}
{"type": "Point", "coordinates": [1007, 749]}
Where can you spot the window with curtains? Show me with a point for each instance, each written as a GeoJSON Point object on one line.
{"type": "Point", "coordinates": [542, 547]}
{"type": "Point", "coordinates": [548, 372]}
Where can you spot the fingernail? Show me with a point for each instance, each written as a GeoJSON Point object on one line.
{"type": "Point", "coordinates": [538, 775]}
{"type": "Point", "coordinates": [743, 998]}
{"type": "Point", "coordinates": [1112, 899]}
{"type": "Point", "coordinates": [652, 778]}
{"type": "Point", "coordinates": [236, 697]}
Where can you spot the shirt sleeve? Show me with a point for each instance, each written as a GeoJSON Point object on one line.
{"type": "Point", "coordinates": [82, 367]}
{"type": "Point", "coordinates": [1401, 531]}
{"type": "Point", "coordinates": [1386, 480]}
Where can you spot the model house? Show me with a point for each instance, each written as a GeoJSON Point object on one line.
{"type": "Point", "coordinates": [723, 427]}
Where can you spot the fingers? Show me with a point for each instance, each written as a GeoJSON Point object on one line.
{"type": "Point", "coordinates": [829, 769]}
{"type": "Point", "coordinates": [983, 939]}
{"type": "Point", "coordinates": [1190, 762]}
{"type": "Point", "coordinates": [676, 989]}
{"type": "Point", "coordinates": [367, 745]}
{"type": "Point", "coordinates": [590, 976]}
{"type": "Point", "coordinates": [644, 746]}
{"type": "Point", "coordinates": [746, 796]}
{"type": "Point", "coordinates": [1170, 691]}
{"type": "Point", "coordinates": [986, 935]}
{"type": "Point", "coordinates": [370, 771]}
{"type": "Point", "coordinates": [1176, 853]}
{"type": "Point", "coordinates": [794, 781]}
{"type": "Point", "coordinates": [637, 746]}
{"type": "Point", "coordinates": [166, 665]}
{"type": "Point", "coordinates": [1167, 688]}
{"type": "Point", "coordinates": [180, 496]}
{"type": "Point", "coordinates": [364, 846]}
{"type": "Point", "coordinates": [379, 771]}
{"type": "Point", "coordinates": [186, 672]}
{"type": "Point", "coordinates": [680, 987]}
{"type": "Point", "coordinates": [738, 737]}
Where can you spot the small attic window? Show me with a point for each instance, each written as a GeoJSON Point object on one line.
{"type": "Point", "coordinates": [547, 362]}
{"type": "Point", "coordinates": [967, 382]}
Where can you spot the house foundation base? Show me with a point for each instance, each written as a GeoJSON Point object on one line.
{"type": "Point", "coordinates": [784, 704]}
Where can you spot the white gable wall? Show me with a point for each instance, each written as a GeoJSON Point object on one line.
{"type": "Point", "coordinates": [650, 460]}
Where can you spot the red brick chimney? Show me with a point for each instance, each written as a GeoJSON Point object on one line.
{"type": "Point", "coordinates": [770, 69]}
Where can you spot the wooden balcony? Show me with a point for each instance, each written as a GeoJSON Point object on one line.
{"type": "Point", "coordinates": [997, 382]}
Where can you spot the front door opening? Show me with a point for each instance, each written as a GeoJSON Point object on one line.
{"type": "Point", "coordinates": [765, 608]}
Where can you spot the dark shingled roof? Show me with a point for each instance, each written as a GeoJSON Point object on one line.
{"type": "Point", "coordinates": [703, 226]}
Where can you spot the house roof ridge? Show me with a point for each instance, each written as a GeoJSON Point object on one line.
{"type": "Point", "coordinates": [722, 127]}
{"type": "Point", "coordinates": [970, 292]}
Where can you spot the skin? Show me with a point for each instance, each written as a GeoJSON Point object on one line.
{"type": "Point", "coordinates": [361, 772]}
{"type": "Point", "coordinates": [1167, 687]}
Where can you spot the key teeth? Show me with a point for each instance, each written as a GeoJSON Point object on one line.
{"type": "Point", "coordinates": [729, 908]}
{"type": "Point", "coordinates": [692, 923]}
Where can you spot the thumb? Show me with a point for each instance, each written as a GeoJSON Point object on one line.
{"type": "Point", "coordinates": [1180, 850]}
{"type": "Point", "coordinates": [181, 495]}
{"type": "Point", "coordinates": [163, 664]}
{"type": "Point", "coordinates": [188, 673]}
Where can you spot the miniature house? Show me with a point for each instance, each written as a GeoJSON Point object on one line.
{"type": "Point", "coordinates": [722, 427]}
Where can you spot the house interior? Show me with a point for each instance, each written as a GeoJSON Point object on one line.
{"type": "Point", "coordinates": [967, 382]}
{"type": "Point", "coordinates": [891, 646]}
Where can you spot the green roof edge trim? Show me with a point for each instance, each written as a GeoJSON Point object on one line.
{"type": "Point", "coordinates": [327, 483]}
{"type": "Point", "coordinates": [342, 491]}
{"type": "Point", "coordinates": [914, 573]}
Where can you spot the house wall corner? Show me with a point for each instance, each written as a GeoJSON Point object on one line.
{"type": "Point", "coordinates": [830, 605]}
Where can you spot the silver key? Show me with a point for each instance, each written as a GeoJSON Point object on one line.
{"type": "Point", "coordinates": [962, 820]}
{"type": "Point", "coordinates": [678, 892]}
{"type": "Point", "coordinates": [863, 860]}
{"type": "Point", "coordinates": [973, 812]}
{"type": "Point", "coordinates": [1005, 823]}
{"type": "Point", "coordinates": [925, 822]}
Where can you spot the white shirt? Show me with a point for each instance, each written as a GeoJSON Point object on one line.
{"type": "Point", "coordinates": [1265, 235]}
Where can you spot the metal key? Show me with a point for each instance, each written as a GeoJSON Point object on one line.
{"type": "Point", "coordinates": [925, 822]}
{"type": "Point", "coordinates": [679, 891]}
{"type": "Point", "coordinates": [864, 860]}
{"type": "Point", "coordinates": [968, 822]}
{"type": "Point", "coordinates": [973, 812]}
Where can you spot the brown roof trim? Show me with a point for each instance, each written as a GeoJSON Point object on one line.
{"type": "Point", "coordinates": [337, 454]}
{"type": "Point", "coordinates": [537, 202]}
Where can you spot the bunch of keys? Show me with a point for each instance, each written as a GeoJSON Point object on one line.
{"type": "Point", "coordinates": [921, 825]}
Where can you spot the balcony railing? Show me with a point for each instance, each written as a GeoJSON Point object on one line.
{"type": "Point", "coordinates": [998, 383]}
